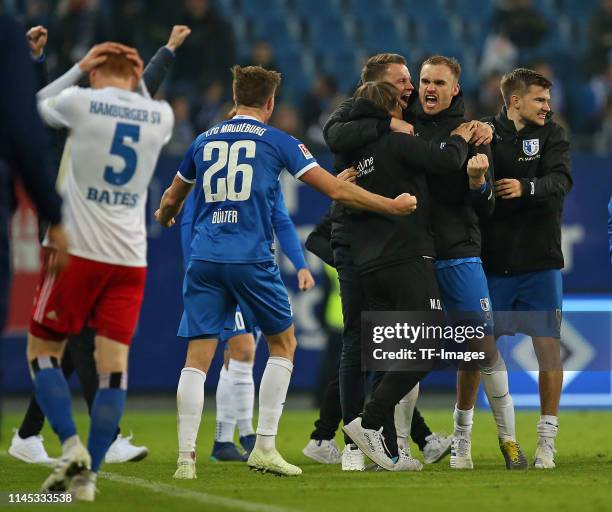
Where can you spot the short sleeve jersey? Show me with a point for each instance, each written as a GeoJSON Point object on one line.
{"type": "Point", "coordinates": [109, 159]}
{"type": "Point", "coordinates": [235, 167]}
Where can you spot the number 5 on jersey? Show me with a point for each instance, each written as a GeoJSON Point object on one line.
{"type": "Point", "coordinates": [227, 157]}
{"type": "Point", "coordinates": [125, 152]}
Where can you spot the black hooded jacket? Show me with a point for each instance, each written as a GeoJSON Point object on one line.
{"type": "Point", "coordinates": [454, 208]}
{"type": "Point", "coordinates": [391, 165]}
{"type": "Point", "coordinates": [524, 234]}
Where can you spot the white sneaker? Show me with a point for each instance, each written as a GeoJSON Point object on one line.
{"type": "Point", "coordinates": [370, 441]}
{"type": "Point", "coordinates": [323, 451]}
{"type": "Point", "coordinates": [437, 447]}
{"type": "Point", "coordinates": [352, 459]}
{"type": "Point", "coordinates": [122, 450]}
{"type": "Point", "coordinates": [75, 460]}
{"type": "Point", "coordinates": [406, 462]}
{"type": "Point", "coordinates": [271, 462]}
{"type": "Point", "coordinates": [185, 469]}
{"type": "Point", "coordinates": [83, 486]}
{"type": "Point", "coordinates": [544, 455]}
{"type": "Point", "coordinates": [30, 449]}
{"type": "Point", "coordinates": [461, 453]}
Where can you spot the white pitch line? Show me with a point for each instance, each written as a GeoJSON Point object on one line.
{"type": "Point", "coordinates": [201, 497]}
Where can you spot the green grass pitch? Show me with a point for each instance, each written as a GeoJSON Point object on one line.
{"type": "Point", "coordinates": [582, 480]}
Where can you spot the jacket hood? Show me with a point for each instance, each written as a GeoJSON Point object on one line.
{"type": "Point", "coordinates": [507, 125]}
{"type": "Point", "coordinates": [365, 108]}
{"type": "Point", "coordinates": [455, 110]}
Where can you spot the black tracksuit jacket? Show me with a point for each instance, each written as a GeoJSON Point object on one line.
{"type": "Point", "coordinates": [524, 234]}
{"type": "Point", "coordinates": [393, 164]}
{"type": "Point", "coordinates": [454, 209]}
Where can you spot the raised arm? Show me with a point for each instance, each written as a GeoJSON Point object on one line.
{"type": "Point", "coordinates": [430, 156]}
{"type": "Point", "coordinates": [481, 179]}
{"type": "Point", "coordinates": [356, 197]}
{"type": "Point", "coordinates": [158, 67]}
{"type": "Point", "coordinates": [24, 133]}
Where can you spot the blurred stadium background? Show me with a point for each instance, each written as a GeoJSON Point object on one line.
{"type": "Point", "coordinates": [319, 46]}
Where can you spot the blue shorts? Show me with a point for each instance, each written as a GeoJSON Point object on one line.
{"type": "Point", "coordinates": [464, 292]}
{"type": "Point", "coordinates": [236, 324]}
{"type": "Point", "coordinates": [211, 292]}
{"type": "Point", "coordinates": [537, 295]}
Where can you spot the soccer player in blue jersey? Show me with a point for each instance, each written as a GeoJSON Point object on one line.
{"type": "Point", "coordinates": [236, 166]}
{"type": "Point", "coordinates": [235, 394]}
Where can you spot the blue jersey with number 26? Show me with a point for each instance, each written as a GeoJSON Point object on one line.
{"type": "Point", "coordinates": [235, 166]}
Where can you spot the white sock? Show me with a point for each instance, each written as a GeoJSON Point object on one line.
{"type": "Point", "coordinates": [189, 404]}
{"type": "Point", "coordinates": [226, 421]}
{"type": "Point", "coordinates": [495, 382]}
{"type": "Point", "coordinates": [403, 416]}
{"type": "Point", "coordinates": [547, 429]}
{"type": "Point", "coordinates": [463, 422]}
{"type": "Point", "coordinates": [243, 395]}
{"type": "Point", "coordinates": [272, 394]}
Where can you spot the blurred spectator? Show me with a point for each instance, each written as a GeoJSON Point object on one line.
{"type": "Point", "coordinates": [286, 118]}
{"type": "Point", "coordinates": [603, 140]}
{"type": "Point", "coordinates": [499, 55]}
{"type": "Point", "coordinates": [600, 37]}
{"type": "Point", "coordinates": [262, 55]}
{"type": "Point", "coordinates": [489, 100]}
{"type": "Point", "coordinates": [209, 53]}
{"type": "Point", "coordinates": [599, 92]}
{"type": "Point", "coordinates": [520, 22]}
{"type": "Point", "coordinates": [317, 106]}
{"type": "Point", "coordinates": [73, 30]}
{"type": "Point", "coordinates": [183, 133]}
{"type": "Point", "coordinates": [557, 93]}
{"type": "Point", "coordinates": [212, 107]}
{"type": "Point", "coordinates": [123, 21]}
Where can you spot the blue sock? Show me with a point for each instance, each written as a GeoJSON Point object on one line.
{"type": "Point", "coordinates": [106, 412]}
{"type": "Point", "coordinates": [53, 396]}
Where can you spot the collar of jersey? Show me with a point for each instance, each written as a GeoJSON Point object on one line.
{"type": "Point", "coordinates": [246, 117]}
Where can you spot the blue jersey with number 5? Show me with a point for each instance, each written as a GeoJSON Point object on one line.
{"type": "Point", "coordinates": [235, 167]}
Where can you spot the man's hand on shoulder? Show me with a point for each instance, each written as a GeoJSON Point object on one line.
{"type": "Point", "coordinates": [483, 134]}
{"type": "Point", "coordinates": [177, 37]}
{"type": "Point", "coordinates": [37, 39]}
{"type": "Point", "coordinates": [349, 174]}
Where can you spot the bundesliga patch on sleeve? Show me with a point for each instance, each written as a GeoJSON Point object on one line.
{"type": "Point", "coordinates": [304, 151]}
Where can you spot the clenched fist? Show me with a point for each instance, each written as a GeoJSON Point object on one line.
{"type": "Point", "coordinates": [404, 204]}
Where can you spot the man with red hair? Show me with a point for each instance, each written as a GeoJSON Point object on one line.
{"type": "Point", "coordinates": [115, 138]}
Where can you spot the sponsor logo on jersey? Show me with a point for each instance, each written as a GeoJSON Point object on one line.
{"type": "Point", "coordinates": [442, 144]}
{"type": "Point", "coordinates": [304, 151]}
{"type": "Point", "coordinates": [365, 166]}
{"type": "Point", "coordinates": [531, 147]}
